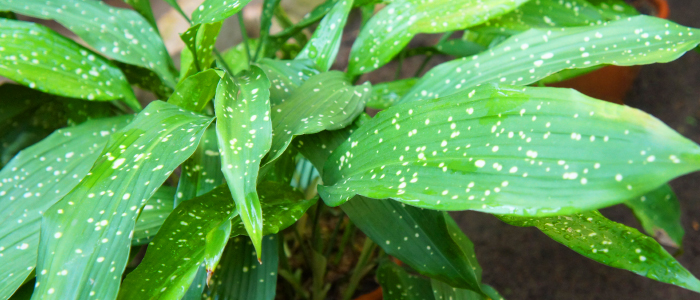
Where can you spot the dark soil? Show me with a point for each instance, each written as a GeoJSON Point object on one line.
{"type": "Point", "coordinates": [523, 263]}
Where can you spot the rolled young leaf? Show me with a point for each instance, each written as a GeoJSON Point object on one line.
{"type": "Point", "coordinates": [244, 133]}
{"type": "Point", "coordinates": [394, 26]}
{"type": "Point", "coordinates": [85, 237]}
{"type": "Point", "coordinates": [42, 59]}
{"type": "Point", "coordinates": [326, 101]}
{"type": "Point", "coordinates": [181, 245]}
{"type": "Point", "coordinates": [537, 53]}
{"type": "Point", "coordinates": [613, 244]}
{"type": "Point", "coordinates": [660, 215]}
{"type": "Point", "coordinates": [33, 181]}
{"type": "Point", "coordinates": [239, 275]}
{"type": "Point", "coordinates": [121, 34]}
{"type": "Point", "coordinates": [508, 150]}
{"type": "Point", "coordinates": [429, 241]}
{"type": "Point", "coordinates": [216, 10]}
{"type": "Point", "coordinates": [325, 42]}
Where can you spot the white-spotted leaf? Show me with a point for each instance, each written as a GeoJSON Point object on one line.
{"type": "Point", "coordinates": [85, 237]}
{"type": "Point", "coordinates": [286, 76]}
{"type": "Point", "coordinates": [660, 215]}
{"type": "Point", "coordinates": [194, 92]}
{"type": "Point", "coordinates": [325, 42]}
{"type": "Point", "coordinates": [386, 94]}
{"type": "Point", "coordinates": [153, 214]}
{"type": "Point", "coordinates": [211, 11]}
{"type": "Point", "coordinates": [244, 133]}
{"type": "Point", "coordinates": [200, 40]}
{"type": "Point", "coordinates": [508, 150]}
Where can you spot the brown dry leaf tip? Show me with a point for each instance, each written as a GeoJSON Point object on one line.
{"type": "Point", "coordinates": [209, 274]}
{"type": "Point", "coordinates": [260, 260]}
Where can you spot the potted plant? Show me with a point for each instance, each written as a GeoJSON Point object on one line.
{"type": "Point", "coordinates": [260, 178]}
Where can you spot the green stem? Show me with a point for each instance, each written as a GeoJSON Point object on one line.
{"type": "Point", "coordinates": [423, 64]}
{"type": "Point", "coordinates": [347, 234]}
{"type": "Point", "coordinates": [397, 75]}
{"type": "Point", "coordinates": [289, 277]}
{"type": "Point", "coordinates": [331, 241]}
{"type": "Point", "coordinates": [359, 271]}
{"type": "Point", "coordinates": [244, 34]}
{"type": "Point", "coordinates": [316, 229]}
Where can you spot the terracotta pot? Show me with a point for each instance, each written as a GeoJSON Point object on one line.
{"type": "Point", "coordinates": [611, 83]}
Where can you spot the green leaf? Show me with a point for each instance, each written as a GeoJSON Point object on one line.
{"type": "Point", "coordinates": [327, 101]}
{"type": "Point", "coordinates": [397, 284]}
{"type": "Point", "coordinates": [121, 34]}
{"type": "Point", "coordinates": [613, 244]}
{"type": "Point", "coordinates": [42, 59]}
{"type": "Point", "coordinates": [508, 150]}
{"type": "Point", "coordinates": [281, 206]}
{"type": "Point", "coordinates": [153, 214]}
{"type": "Point", "coordinates": [145, 79]}
{"type": "Point", "coordinates": [216, 10]}
{"type": "Point", "coordinates": [88, 232]}
{"type": "Point", "coordinates": [194, 92]}
{"type": "Point", "coordinates": [240, 276]}
{"type": "Point", "coordinates": [443, 291]}
{"type": "Point", "coordinates": [244, 133]}
{"type": "Point", "coordinates": [286, 77]}
{"type": "Point", "coordinates": [200, 40]}
{"type": "Point", "coordinates": [395, 25]}
{"type": "Point", "coordinates": [538, 53]}
{"type": "Point", "coordinates": [429, 241]}
{"type": "Point", "coordinates": [459, 47]}
{"type": "Point", "coordinates": [386, 94]}
{"type": "Point", "coordinates": [181, 245]}
{"type": "Point", "coordinates": [268, 9]}
{"type": "Point", "coordinates": [201, 173]}
{"type": "Point", "coordinates": [660, 215]}
{"type": "Point", "coordinates": [236, 57]}
{"type": "Point", "coordinates": [33, 181]}
{"type": "Point", "coordinates": [325, 42]}
{"type": "Point", "coordinates": [312, 17]}
{"type": "Point", "coordinates": [143, 7]}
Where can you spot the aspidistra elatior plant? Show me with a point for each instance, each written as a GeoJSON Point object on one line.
{"type": "Point", "coordinates": [249, 145]}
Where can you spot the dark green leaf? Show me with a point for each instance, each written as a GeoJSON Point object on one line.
{"type": "Point", "coordinates": [36, 179]}
{"type": "Point", "coordinates": [174, 255]}
{"type": "Point", "coordinates": [286, 77]}
{"type": "Point", "coordinates": [200, 40]}
{"type": "Point", "coordinates": [312, 17]}
{"type": "Point", "coordinates": [660, 215]}
{"type": "Point", "coordinates": [325, 42]}
{"type": "Point", "coordinates": [281, 206]}
{"type": "Point", "coordinates": [327, 101]}
{"type": "Point", "coordinates": [194, 92]}
{"type": "Point", "coordinates": [443, 291]}
{"type": "Point", "coordinates": [386, 94]}
{"type": "Point", "coordinates": [217, 10]}
{"type": "Point", "coordinates": [244, 133]}
{"type": "Point", "coordinates": [613, 244]}
{"type": "Point", "coordinates": [459, 47]}
{"type": "Point", "coordinates": [42, 59]}
{"type": "Point", "coordinates": [426, 240]}
{"type": "Point", "coordinates": [537, 53]}
{"type": "Point", "coordinates": [522, 151]}
{"type": "Point", "coordinates": [145, 79]}
{"type": "Point", "coordinates": [394, 26]}
{"type": "Point", "coordinates": [397, 284]}
{"type": "Point", "coordinates": [201, 173]}
{"type": "Point", "coordinates": [239, 276]}
{"type": "Point", "coordinates": [153, 214]}
{"type": "Point", "coordinates": [121, 34]}
{"type": "Point", "coordinates": [88, 232]}
{"type": "Point", "coordinates": [268, 10]}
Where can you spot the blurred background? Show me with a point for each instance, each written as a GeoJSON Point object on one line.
{"type": "Point", "coordinates": [523, 263]}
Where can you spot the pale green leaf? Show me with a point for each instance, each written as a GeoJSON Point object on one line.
{"type": "Point", "coordinates": [153, 214]}
{"type": "Point", "coordinates": [281, 207]}
{"type": "Point", "coordinates": [613, 244]}
{"type": "Point", "coordinates": [286, 76]}
{"type": "Point", "coordinates": [42, 59]}
{"type": "Point", "coordinates": [244, 133]}
{"type": "Point", "coordinates": [88, 232]}
{"type": "Point", "coordinates": [325, 42]}
{"type": "Point", "coordinates": [386, 94]}
{"type": "Point", "coordinates": [508, 150]}
{"type": "Point", "coordinates": [194, 92]}
{"type": "Point", "coordinates": [660, 215]}
{"type": "Point", "coordinates": [217, 10]}
{"type": "Point", "coordinates": [537, 53]}
{"type": "Point", "coordinates": [429, 241]}
{"type": "Point", "coordinates": [240, 276]}
{"type": "Point", "coordinates": [236, 57]}
{"type": "Point", "coordinates": [33, 181]}
{"type": "Point", "coordinates": [327, 101]}
{"type": "Point", "coordinates": [397, 284]}
{"type": "Point", "coordinates": [143, 7]}
{"type": "Point", "coordinates": [200, 40]}
{"type": "Point", "coordinates": [121, 34]}
{"type": "Point", "coordinates": [394, 26]}
{"type": "Point", "coordinates": [174, 255]}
